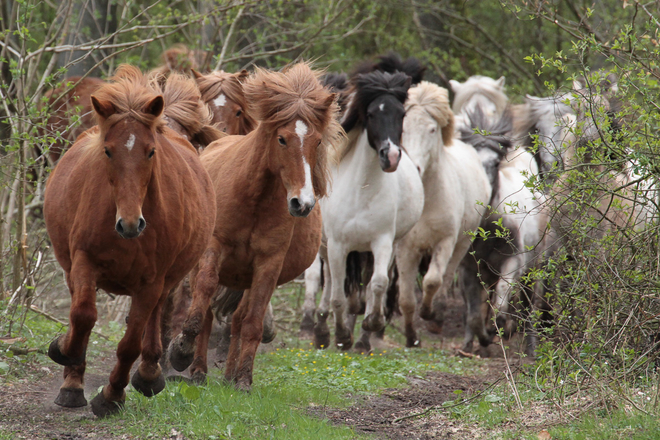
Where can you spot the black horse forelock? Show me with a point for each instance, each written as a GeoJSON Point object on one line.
{"type": "Point", "coordinates": [493, 134]}
{"type": "Point", "coordinates": [370, 86]}
{"type": "Point", "coordinates": [392, 63]}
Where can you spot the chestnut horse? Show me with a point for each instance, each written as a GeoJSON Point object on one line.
{"type": "Point", "coordinates": [267, 230]}
{"type": "Point", "coordinates": [70, 99]}
{"type": "Point", "coordinates": [223, 92]}
{"type": "Point", "coordinates": [129, 209]}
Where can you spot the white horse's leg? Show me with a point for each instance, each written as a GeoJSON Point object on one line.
{"type": "Point", "coordinates": [374, 318]}
{"type": "Point", "coordinates": [312, 285]}
{"type": "Point", "coordinates": [321, 330]}
{"type": "Point", "coordinates": [433, 279]}
{"type": "Point", "coordinates": [407, 260]}
{"type": "Point", "coordinates": [337, 254]}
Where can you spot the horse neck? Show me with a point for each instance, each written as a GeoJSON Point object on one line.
{"type": "Point", "coordinates": [256, 168]}
{"type": "Point", "coordinates": [434, 172]}
{"type": "Point", "coordinates": [362, 160]}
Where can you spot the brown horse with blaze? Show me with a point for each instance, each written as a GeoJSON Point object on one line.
{"type": "Point", "coordinates": [267, 231]}
{"type": "Point", "coordinates": [129, 209]}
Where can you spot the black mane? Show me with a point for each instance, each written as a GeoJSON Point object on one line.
{"type": "Point", "coordinates": [393, 63]}
{"type": "Point", "coordinates": [368, 87]}
{"type": "Point", "coordinates": [337, 83]}
{"type": "Point", "coordinates": [483, 133]}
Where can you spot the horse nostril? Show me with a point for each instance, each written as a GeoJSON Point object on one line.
{"type": "Point", "coordinates": [294, 203]}
{"type": "Point", "coordinates": [142, 223]}
{"type": "Point", "coordinates": [119, 227]}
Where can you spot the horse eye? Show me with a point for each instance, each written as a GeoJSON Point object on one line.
{"type": "Point", "coordinates": [107, 152]}
{"type": "Point", "coordinates": [433, 130]}
{"type": "Point", "coordinates": [151, 153]}
{"type": "Point", "coordinates": [239, 113]}
{"type": "Point", "coordinates": [281, 140]}
{"type": "Point", "coordinates": [319, 144]}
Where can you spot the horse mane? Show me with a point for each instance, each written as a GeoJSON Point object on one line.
{"type": "Point", "coordinates": [539, 115]}
{"type": "Point", "coordinates": [129, 92]}
{"type": "Point", "coordinates": [211, 85]}
{"type": "Point", "coordinates": [277, 98]}
{"type": "Point", "coordinates": [392, 63]}
{"type": "Point", "coordinates": [183, 103]}
{"type": "Point", "coordinates": [485, 133]}
{"type": "Point", "coordinates": [435, 101]}
{"type": "Point", "coordinates": [337, 83]}
{"type": "Point", "coordinates": [179, 59]}
{"type": "Point", "coordinates": [482, 85]}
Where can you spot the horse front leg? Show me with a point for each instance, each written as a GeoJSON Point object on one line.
{"type": "Point", "coordinates": [247, 323]}
{"type": "Point", "coordinates": [374, 317]}
{"type": "Point", "coordinates": [69, 349]}
{"type": "Point", "coordinates": [143, 305]}
{"type": "Point", "coordinates": [408, 258]}
{"type": "Point", "coordinates": [337, 254]}
{"type": "Point", "coordinates": [433, 280]}
{"type": "Point", "coordinates": [204, 284]}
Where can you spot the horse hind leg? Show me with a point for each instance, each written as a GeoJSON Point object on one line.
{"type": "Point", "coordinates": [70, 349]}
{"type": "Point", "coordinates": [313, 277]}
{"type": "Point", "coordinates": [204, 283]}
{"type": "Point", "coordinates": [321, 330]}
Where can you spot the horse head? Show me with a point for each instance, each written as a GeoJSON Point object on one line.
{"type": "Point", "coordinates": [298, 122]}
{"type": "Point", "coordinates": [223, 92]}
{"type": "Point", "coordinates": [129, 117]}
{"type": "Point", "coordinates": [377, 106]}
{"type": "Point", "coordinates": [428, 124]}
{"type": "Point", "coordinates": [480, 91]}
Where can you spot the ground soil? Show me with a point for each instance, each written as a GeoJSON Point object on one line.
{"type": "Point", "coordinates": [27, 410]}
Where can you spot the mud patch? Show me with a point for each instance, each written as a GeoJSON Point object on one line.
{"type": "Point", "coordinates": [411, 412]}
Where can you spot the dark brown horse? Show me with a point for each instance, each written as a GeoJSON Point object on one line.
{"type": "Point", "coordinates": [64, 103]}
{"type": "Point", "coordinates": [129, 209]}
{"type": "Point", "coordinates": [223, 92]}
{"type": "Point", "coordinates": [267, 231]}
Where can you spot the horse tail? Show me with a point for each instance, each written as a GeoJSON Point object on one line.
{"type": "Point", "coordinates": [392, 293]}
{"type": "Point", "coordinates": [359, 268]}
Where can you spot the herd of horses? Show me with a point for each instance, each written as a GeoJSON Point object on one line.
{"type": "Point", "coordinates": [196, 194]}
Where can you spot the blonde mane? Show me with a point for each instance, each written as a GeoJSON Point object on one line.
{"type": "Point", "coordinates": [276, 98]}
{"type": "Point", "coordinates": [435, 101]}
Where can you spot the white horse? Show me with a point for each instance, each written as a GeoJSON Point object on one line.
{"type": "Point", "coordinates": [377, 197]}
{"type": "Point", "coordinates": [456, 190]}
{"type": "Point", "coordinates": [478, 91]}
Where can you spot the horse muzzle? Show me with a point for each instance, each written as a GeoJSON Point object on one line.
{"type": "Point", "coordinates": [389, 157]}
{"type": "Point", "coordinates": [130, 229]}
{"type": "Point", "coordinates": [300, 208]}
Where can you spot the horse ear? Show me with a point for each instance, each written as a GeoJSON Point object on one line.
{"type": "Point", "coordinates": [105, 109]}
{"type": "Point", "coordinates": [577, 85]}
{"type": "Point", "coordinates": [242, 75]}
{"type": "Point", "coordinates": [155, 106]}
{"type": "Point", "coordinates": [455, 85]}
{"type": "Point", "coordinates": [196, 74]}
{"type": "Point", "coordinates": [329, 100]}
{"type": "Point", "coordinates": [408, 82]}
{"type": "Point", "coordinates": [500, 82]}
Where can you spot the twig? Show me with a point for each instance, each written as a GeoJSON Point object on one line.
{"type": "Point", "coordinates": [59, 321]}
{"type": "Point", "coordinates": [410, 416]}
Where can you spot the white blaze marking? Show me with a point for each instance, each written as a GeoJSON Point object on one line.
{"type": "Point", "coordinates": [381, 107]}
{"type": "Point", "coordinates": [307, 192]}
{"type": "Point", "coordinates": [130, 142]}
{"type": "Point", "coordinates": [220, 101]}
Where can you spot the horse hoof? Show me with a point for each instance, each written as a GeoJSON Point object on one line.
{"type": "Point", "coordinates": [307, 327]}
{"type": "Point", "coordinates": [243, 385]}
{"type": "Point", "coordinates": [269, 335]}
{"type": "Point", "coordinates": [413, 342]}
{"type": "Point", "coordinates": [426, 313]}
{"type": "Point", "coordinates": [56, 355]}
{"type": "Point", "coordinates": [148, 388]}
{"type": "Point", "coordinates": [181, 354]}
{"type": "Point", "coordinates": [71, 398]}
{"type": "Point", "coordinates": [198, 378]}
{"type": "Point", "coordinates": [321, 336]}
{"type": "Point", "coordinates": [467, 347]}
{"type": "Point", "coordinates": [483, 352]}
{"type": "Point", "coordinates": [103, 408]}
{"type": "Point", "coordinates": [362, 347]}
{"type": "Point", "coordinates": [373, 323]}
{"type": "Point", "coordinates": [344, 343]}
